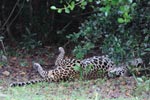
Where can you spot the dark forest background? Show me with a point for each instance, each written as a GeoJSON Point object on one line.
{"type": "Point", "coordinates": [22, 19]}
{"type": "Point", "coordinates": [119, 28]}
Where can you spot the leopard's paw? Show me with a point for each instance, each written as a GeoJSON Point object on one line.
{"type": "Point", "coordinates": [36, 66]}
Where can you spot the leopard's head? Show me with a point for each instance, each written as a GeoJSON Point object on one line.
{"type": "Point", "coordinates": [117, 71]}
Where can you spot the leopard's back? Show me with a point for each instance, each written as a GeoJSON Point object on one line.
{"type": "Point", "coordinates": [93, 64]}
{"type": "Point", "coordinates": [99, 66]}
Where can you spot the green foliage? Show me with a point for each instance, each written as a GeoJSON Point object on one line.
{"type": "Point", "coordinates": [80, 51]}
{"type": "Point", "coordinates": [88, 68]}
{"type": "Point", "coordinates": [125, 7]}
{"type": "Point", "coordinates": [1, 59]}
{"type": "Point", "coordinates": [70, 5]}
{"type": "Point", "coordinates": [29, 42]}
{"type": "Point", "coordinates": [79, 69]}
{"type": "Point", "coordinates": [23, 63]}
{"type": "Point", "coordinates": [120, 30]}
{"type": "Point", "coordinates": [143, 85]}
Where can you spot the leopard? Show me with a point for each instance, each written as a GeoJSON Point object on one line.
{"type": "Point", "coordinates": [122, 69]}
{"type": "Point", "coordinates": [68, 71]}
{"type": "Point", "coordinates": [91, 67]}
{"type": "Point", "coordinates": [65, 69]}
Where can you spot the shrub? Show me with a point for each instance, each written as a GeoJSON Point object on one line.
{"type": "Point", "coordinates": [122, 34]}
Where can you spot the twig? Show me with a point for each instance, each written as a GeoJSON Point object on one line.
{"type": "Point", "coordinates": [11, 13]}
{"type": "Point", "coordinates": [135, 78]}
{"type": "Point", "coordinates": [66, 43]}
{"type": "Point", "coordinates": [15, 16]}
{"type": "Point", "coordinates": [65, 27]}
{"type": "Point", "coordinates": [17, 13]}
{"type": "Point", "coordinates": [3, 47]}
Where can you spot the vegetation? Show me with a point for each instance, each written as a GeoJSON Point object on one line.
{"type": "Point", "coordinates": [30, 30]}
{"type": "Point", "coordinates": [116, 31]}
{"type": "Point", "coordinates": [78, 90]}
{"type": "Point", "coordinates": [119, 28]}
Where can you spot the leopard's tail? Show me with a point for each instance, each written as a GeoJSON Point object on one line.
{"type": "Point", "coordinates": [14, 84]}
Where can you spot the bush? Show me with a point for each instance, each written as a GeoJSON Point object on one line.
{"type": "Point", "coordinates": [121, 34]}
{"type": "Point", "coordinates": [29, 41]}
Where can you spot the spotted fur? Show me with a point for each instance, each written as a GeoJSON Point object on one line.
{"type": "Point", "coordinates": [55, 75]}
{"type": "Point", "coordinates": [123, 68]}
{"type": "Point", "coordinates": [59, 60]}
{"type": "Point", "coordinates": [67, 72]}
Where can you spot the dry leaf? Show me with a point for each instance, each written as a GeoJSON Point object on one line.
{"type": "Point", "coordinates": [14, 58]}
{"type": "Point", "coordinates": [123, 83]}
{"type": "Point", "coordinates": [6, 73]}
{"type": "Point", "coordinates": [128, 94]}
{"type": "Point", "coordinates": [22, 73]}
